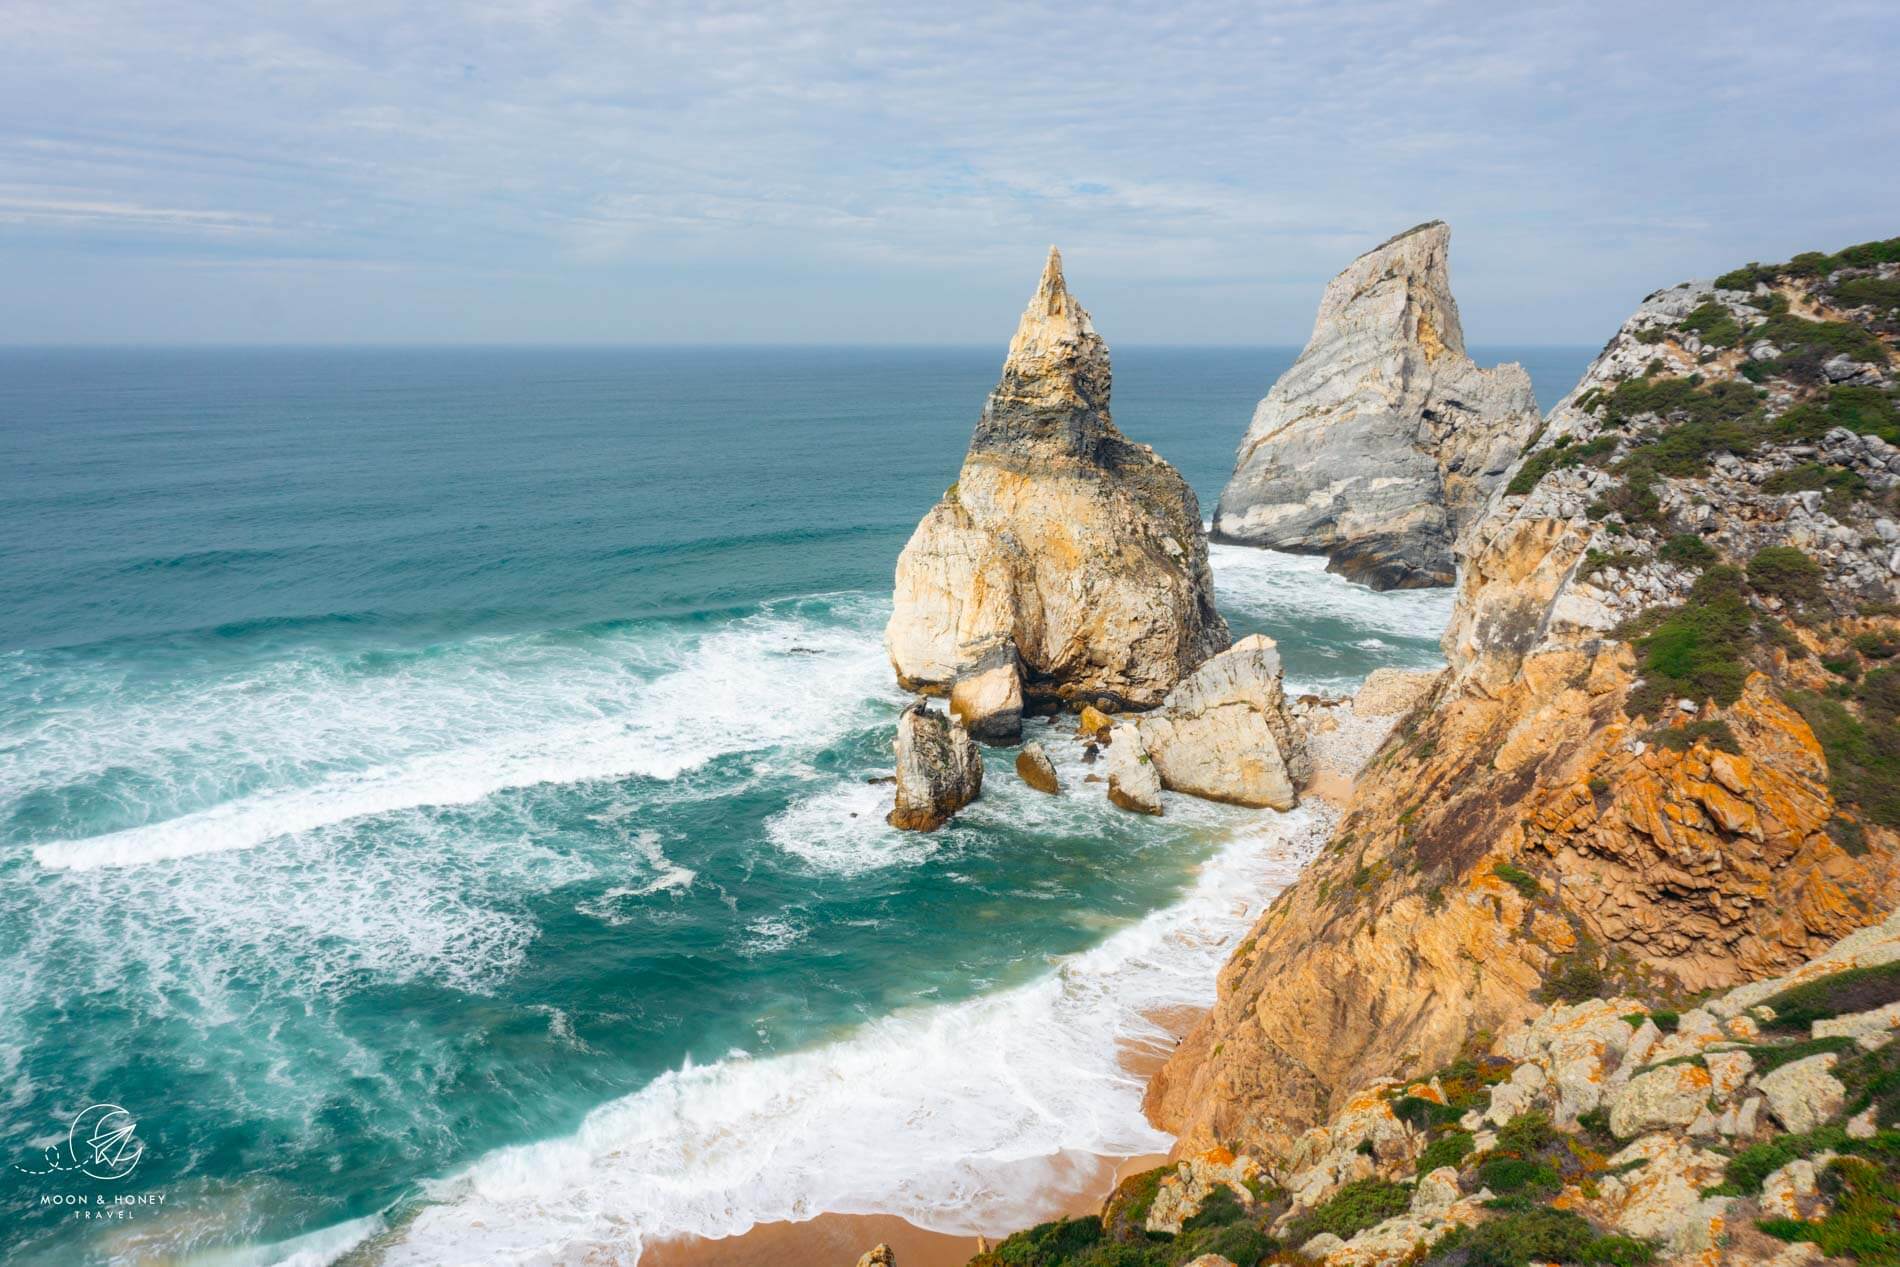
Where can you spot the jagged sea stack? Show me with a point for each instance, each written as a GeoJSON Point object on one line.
{"type": "Point", "coordinates": [1384, 440]}
{"type": "Point", "coordinates": [1066, 564]}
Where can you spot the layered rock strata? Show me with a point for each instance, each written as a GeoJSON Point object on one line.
{"type": "Point", "coordinates": [1384, 440]}
{"type": "Point", "coordinates": [1066, 565]}
{"type": "Point", "coordinates": [939, 769]}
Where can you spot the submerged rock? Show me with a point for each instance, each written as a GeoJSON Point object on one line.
{"type": "Point", "coordinates": [1225, 733]}
{"type": "Point", "coordinates": [1133, 783]}
{"type": "Point", "coordinates": [939, 769]}
{"type": "Point", "coordinates": [1065, 556]}
{"type": "Point", "coordinates": [1034, 768]}
{"type": "Point", "coordinates": [1384, 441]}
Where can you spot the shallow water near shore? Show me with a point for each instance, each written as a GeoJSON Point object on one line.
{"type": "Point", "coordinates": [434, 803]}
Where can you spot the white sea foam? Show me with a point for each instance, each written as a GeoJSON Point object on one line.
{"type": "Point", "coordinates": [954, 1117]}
{"type": "Point", "coordinates": [726, 694]}
{"type": "Point", "coordinates": [1297, 588]}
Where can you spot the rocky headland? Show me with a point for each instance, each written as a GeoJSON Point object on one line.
{"type": "Point", "coordinates": [1594, 969]}
{"type": "Point", "coordinates": [1066, 565]}
{"type": "Point", "coordinates": [1384, 440]}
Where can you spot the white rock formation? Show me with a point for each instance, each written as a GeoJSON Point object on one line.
{"type": "Point", "coordinates": [1133, 783]}
{"type": "Point", "coordinates": [1225, 734]}
{"type": "Point", "coordinates": [1384, 440]}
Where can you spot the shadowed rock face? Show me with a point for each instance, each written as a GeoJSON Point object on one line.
{"type": "Point", "coordinates": [1383, 442]}
{"type": "Point", "coordinates": [1064, 553]}
{"type": "Point", "coordinates": [939, 769]}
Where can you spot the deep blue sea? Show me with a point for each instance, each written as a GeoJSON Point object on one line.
{"type": "Point", "coordinates": [434, 805]}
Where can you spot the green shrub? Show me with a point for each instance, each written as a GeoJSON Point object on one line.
{"type": "Point", "coordinates": [1802, 340]}
{"type": "Point", "coordinates": [1354, 1208]}
{"type": "Point", "coordinates": [1685, 549]}
{"type": "Point", "coordinates": [1573, 978]}
{"type": "Point", "coordinates": [1840, 993]}
{"type": "Point", "coordinates": [1878, 645]}
{"type": "Point", "coordinates": [1865, 410]}
{"type": "Point", "coordinates": [1746, 1169]}
{"type": "Point", "coordinates": [1842, 486]}
{"type": "Point", "coordinates": [1598, 561]}
{"type": "Point", "coordinates": [1238, 1242]}
{"type": "Point", "coordinates": [1865, 1221]}
{"type": "Point", "coordinates": [1520, 879]}
{"type": "Point", "coordinates": [1713, 322]}
{"type": "Point", "coordinates": [1049, 1244]}
{"type": "Point", "coordinates": [1788, 574]}
{"type": "Point", "coordinates": [1863, 753]}
{"type": "Point", "coordinates": [1448, 1149]}
{"type": "Point", "coordinates": [1422, 1114]}
{"type": "Point", "coordinates": [1517, 1175]}
{"type": "Point", "coordinates": [1695, 651]}
{"type": "Point", "coordinates": [1538, 1235]}
{"type": "Point", "coordinates": [1882, 294]}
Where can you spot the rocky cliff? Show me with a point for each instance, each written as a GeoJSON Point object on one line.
{"type": "Point", "coordinates": [1664, 757]}
{"type": "Point", "coordinates": [1761, 1127]}
{"type": "Point", "coordinates": [1384, 441]}
{"type": "Point", "coordinates": [1066, 564]}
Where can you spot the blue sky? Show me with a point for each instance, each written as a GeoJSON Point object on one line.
{"type": "Point", "coordinates": [544, 171]}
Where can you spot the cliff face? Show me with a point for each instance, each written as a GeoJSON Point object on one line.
{"type": "Point", "coordinates": [1664, 756]}
{"type": "Point", "coordinates": [1066, 564]}
{"type": "Point", "coordinates": [1383, 441]}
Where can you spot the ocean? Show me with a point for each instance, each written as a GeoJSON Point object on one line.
{"type": "Point", "coordinates": [435, 804]}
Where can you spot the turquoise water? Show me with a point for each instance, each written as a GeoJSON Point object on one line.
{"type": "Point", "coordinates": [434, 802]}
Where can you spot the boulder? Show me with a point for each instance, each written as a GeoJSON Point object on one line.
{"type": "Point", "coordinates": [1133, 783]}
{"type": "Point", "coordinates": [1034, 768]}
{"type": "Point", "coordinates": [1384, 440]}
{"type": "Point", "coordinates": [1393, 692]}
{"type": "Point", "coordinates": [939, 769]}
{"type": "Point", "coordinates": [880, 1256]}
{"type": "Point", "coordinates": [1093, 723]}
{"type": "Point", "coordinates": [1660, 1196]}
{"type": "Point", "coordinates": [1669, 1096]}
{"type": "Point", "coordinates": [1078, 550]}
{"type": "Point", "coordinates": [1179, 1196]}
{"type": "Point", "coordinates": [988, 697]}
{"type": "Point", "coordinates": [1802, 1094]}
{"type": "Point", "coordinates": [1225, 733]}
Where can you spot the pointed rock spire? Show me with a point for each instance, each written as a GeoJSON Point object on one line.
{"type": "Point", "coordinates": [1383, 442]}
{"type": "Point", "coordinates": [1057, 367]}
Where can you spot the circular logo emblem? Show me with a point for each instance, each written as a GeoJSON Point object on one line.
{"type": "Point", "coordinates": [103, 1142]}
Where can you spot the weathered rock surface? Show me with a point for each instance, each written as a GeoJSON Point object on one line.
{"type": "Point", "coordinates": [1133, 784]}
{"type": "Point", "coordinates": [878, 1256]}
{"type": "Point", "coordinates": [1034, 768]}
{"type": "Point", "coordinates": [1064, 555]}
{"type": "Point", "coordinates": [1803, 1093]}
{"type": "Point", "coordinates": [988, 697]}
{"type": "Point", "coordinates": [1394, 692]}
{"type": "Point", "coordinates": [1225, 732]}
{"type": "Point", "coordinates": [1384, 440]}
{"type": "Point", "coordinates": [939, 769]}
{"type": "Point", "coordinates": [1528, 825]}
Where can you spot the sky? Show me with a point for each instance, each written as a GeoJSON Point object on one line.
{"type": "Point", "coordinates": [545, 171]}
